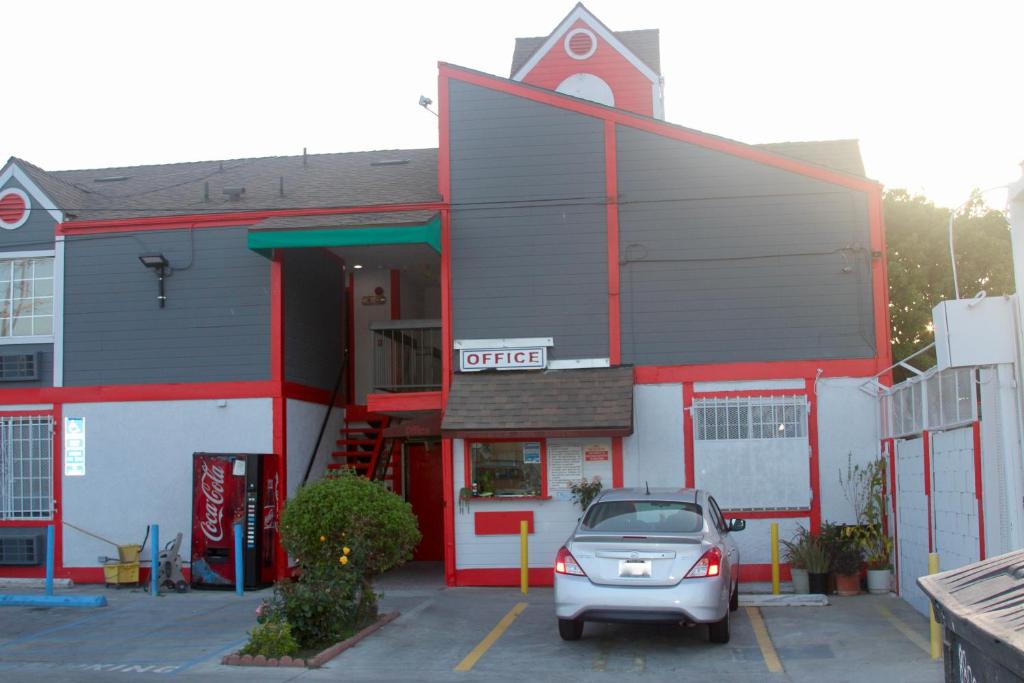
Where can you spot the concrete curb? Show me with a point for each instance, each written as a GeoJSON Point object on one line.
{"type": "Point", "coordinates": [34, 583]}
{"type": "Point", "coordinates": [86, 601]}
{"type": "Point", "coordinates": [317, 660]}
{"type": "Point", "coordinates": [785, 600]}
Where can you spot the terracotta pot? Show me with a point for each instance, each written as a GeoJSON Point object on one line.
{"type": "Point", "coordinates": [848, 584]}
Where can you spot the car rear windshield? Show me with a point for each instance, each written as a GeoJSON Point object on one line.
{"type": "Point", "coordinates": [644, 516]}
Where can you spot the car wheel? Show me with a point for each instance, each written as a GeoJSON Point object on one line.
{"type": "Point", "coordinates": [734, 600]}
{"type": "Point", "coordinates": [718, 632]}
{"type": "Point", "coordinates": [570, 629]}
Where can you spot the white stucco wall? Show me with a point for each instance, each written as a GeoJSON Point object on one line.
{"type": "Point", "coordinates": [847, 427]}
{"type": "Point", "coordinates": [139, 467]}
{"type": "Point", "coordinates": [655, 452]}
{"type": "Point", "coordinates": [304, 420]}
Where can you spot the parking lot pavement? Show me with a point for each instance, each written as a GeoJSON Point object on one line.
{"type": "Point", "coordinates": [468, 634]}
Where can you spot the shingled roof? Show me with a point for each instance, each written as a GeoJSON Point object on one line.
{"type": "Point", "coordinates": [643, 43]}
{"type": "Point", "coordinates": [399, 176]}
{"type": "Point", "coordinates": [591, 401]}
{"type": "Point", "coordinates": [842, 155]}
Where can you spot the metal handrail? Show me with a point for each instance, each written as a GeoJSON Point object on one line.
{"type": "Point", "coordinates": [327, 416]}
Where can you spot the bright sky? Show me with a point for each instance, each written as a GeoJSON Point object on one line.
{"type": "Point", "coordinates": [931, 89]}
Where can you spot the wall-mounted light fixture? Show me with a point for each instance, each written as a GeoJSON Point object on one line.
{"type": "Point", "coordinates": [158, 262]}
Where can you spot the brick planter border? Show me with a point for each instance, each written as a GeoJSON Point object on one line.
{"type": "Point", "coordinates": [317, 660]}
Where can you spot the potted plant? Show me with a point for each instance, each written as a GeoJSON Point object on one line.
{"type": "Point", "coordinates": [865, 489]}
{"type": "Point", "coordinates": [584, 491]}
{"type": "Point", "coordinates": [817, 563]}
{"type": "Point", "coordinates": [795, 555]}
{"type": "Point", "coordinates": [846, 563]}
{"type": "Point", "coordinates": [878, 550]}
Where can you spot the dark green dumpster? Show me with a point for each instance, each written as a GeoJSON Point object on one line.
{"type": "Point", "coordinates": [981, 609]}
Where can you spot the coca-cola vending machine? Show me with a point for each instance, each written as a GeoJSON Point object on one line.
{"type": "Point", "coordinates": [230, 487]}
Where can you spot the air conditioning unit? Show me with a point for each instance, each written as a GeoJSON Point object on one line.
{"type": "Point", "coordinates": [978, 331]}
{"type": "Point", "coordinates": [24, 547]}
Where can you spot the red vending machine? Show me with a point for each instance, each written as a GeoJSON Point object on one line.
{"type": "Point", "coordinates": [230, 487]}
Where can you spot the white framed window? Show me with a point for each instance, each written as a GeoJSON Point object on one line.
{"type": "Point", "coordinates": [26, 298]}
{"type": "Point", "coordinates": [26, 467]}
{"type": "Point", "coordinates": [750, 417]}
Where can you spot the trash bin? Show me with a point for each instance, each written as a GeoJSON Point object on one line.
{"type": "Point", "coordinates": [981, 609]}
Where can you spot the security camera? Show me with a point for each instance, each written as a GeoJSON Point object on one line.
{"type": "Point", "coordinates": [425, 101]}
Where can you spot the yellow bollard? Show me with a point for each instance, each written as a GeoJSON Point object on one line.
{"type": "Point", "coordinates": [775, 558]}
{"type": "Point", "coordinates": [936, 630]}
{"type": "Point", "coordinates": [524, 570]}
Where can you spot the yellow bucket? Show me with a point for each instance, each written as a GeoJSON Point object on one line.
{"type": "Point", "coordinates": [121, 572]}
{"type": "Point", "coordinates": [128, 553]}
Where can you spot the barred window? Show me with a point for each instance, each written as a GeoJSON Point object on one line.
{"type": "Point", "coordinates": [750, 417]}
{"type": "Point", "coordinates": [26, 467]}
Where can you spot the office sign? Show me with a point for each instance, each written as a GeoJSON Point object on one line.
{"type": "Point", "coordinates": [526, 358]}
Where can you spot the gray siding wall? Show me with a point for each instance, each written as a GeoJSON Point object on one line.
{"type": "Point", "coordinates": [37, 234]}
{"type": "Point", "coordinates": [215, 327]}
{"type": "Point", "coordinates": [529, 235]}
{"type": "Point", "coordinates": [314, 294]}
{"type": "Point", "coordinates": [727, 260]}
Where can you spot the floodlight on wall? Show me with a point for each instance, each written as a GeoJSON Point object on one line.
{"type": "Point", "coordinates": [160, 265]}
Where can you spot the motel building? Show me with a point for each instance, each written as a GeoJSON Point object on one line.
{"type": "Point", "coordinates": [569, 286]}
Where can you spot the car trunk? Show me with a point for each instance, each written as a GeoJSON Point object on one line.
{"type": "Point", "coordinates": [637, 560]}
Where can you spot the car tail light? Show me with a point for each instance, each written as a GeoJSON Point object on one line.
{"type": "Point", "coordinates": [709, 564]}
{"type": "Point", "coordinates": [565, 563]}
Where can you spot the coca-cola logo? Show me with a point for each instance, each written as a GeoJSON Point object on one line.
{"type": "Point", "coordinates": [211, 504]}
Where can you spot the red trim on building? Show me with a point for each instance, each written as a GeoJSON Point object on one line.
{"type": "Point", "coordinates": [396, 294]}
{"type": "Point", "coordinates": [501, 523]}
{"type": "Point", "coordinates": [303, 392]}
{"type": "Point", "coordinates": [611, 181]}
{"type": "Point", "coordinates": [880, 282]}
{"type": "Point", "coordinates": [761, 573]}
{"type": "Point", "coordinates": [142, 392]}
{"type": "Point", "coordinates": [722, 372]}
{"type": "Point", "coordinates": [280, 414]}
{"type": "Point", "coordinates": [403, 402]}
{"type": "Point", "coordinates": [976, 433]}
{"type": "Point", "coordinates": [689, 444]}
{"type": "Point", "coordinates": [926, 449]}
{"type": "Point", "coordinates": [766, 514]}
{"type": "Point", "coordinates": [227, 219]}
{"type": "Point", "coordinates": [751, 393]}
{"type": "Point", "coordinates": [57, 415]}
{"type": "Point", "coordinates": [812, 439]}
{"type": "Point", "coordinates": [448, 475]}
{"type": "Point", "coordinates": [617, 474]}
{"type": "Point", "coordinates": [536, 576]}
{"type": "Point", "coordinates": [657, 127]}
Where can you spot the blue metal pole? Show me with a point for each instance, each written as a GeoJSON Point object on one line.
{"type": "Point", "coordinates": [239, 572]}
{"type": "Point", "coordinates": [49, 560]}
{"type": "Point", "coordinates": [154, 561]}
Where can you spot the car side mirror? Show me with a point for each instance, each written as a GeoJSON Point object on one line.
{"type": "Point", "coordinates": [737, 524]}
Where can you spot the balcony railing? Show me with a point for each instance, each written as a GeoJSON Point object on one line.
{"type": "Point", "coordinates": [406, 355]}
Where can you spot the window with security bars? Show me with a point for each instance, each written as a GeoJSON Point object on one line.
{"type": "Point", "coordinates": [26, 467]}
{"type": "Point", "coordinates": [750, 417]}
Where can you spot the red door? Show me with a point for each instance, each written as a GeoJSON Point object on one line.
{"type": "Point", "coordinates": [426, 495]}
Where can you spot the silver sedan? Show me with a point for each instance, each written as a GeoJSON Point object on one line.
{"type": "Point", "coordinates": [649, 555]}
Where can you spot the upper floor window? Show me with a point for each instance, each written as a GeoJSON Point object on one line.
{"type": "Point", "coordinates": [26, 297]}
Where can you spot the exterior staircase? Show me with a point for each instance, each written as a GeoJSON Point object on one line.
{"type": "Point", "coordinates": [363, 448]}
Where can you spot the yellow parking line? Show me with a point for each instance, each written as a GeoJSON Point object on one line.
{"type": "Point", "coordinates": [912, 636]}
{"type": "Point", "coordinates": [764, 641]}
{"type": "Point", "coordinates": [492, 637]}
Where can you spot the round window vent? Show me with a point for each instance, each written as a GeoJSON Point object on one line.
{"type": "Point", "coordinates": [580, 43]}
{"type": "Point", "coordinates": [14, 208]}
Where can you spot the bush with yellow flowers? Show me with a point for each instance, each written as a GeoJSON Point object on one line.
{"type": "Point", "coordinates": [341, 531]}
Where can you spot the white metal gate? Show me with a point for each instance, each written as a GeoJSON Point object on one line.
{"type": "Point", "coordinates": [912, 520]}
{"type": "Point", "coordinates": [26, 467]}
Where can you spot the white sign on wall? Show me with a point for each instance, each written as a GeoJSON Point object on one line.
{"type": "Point", "coordinates": [74, 446]}
{"type": "Point", "coordinates": [472, 360]}
{"type": "Point", "coordinates": [565, 467]}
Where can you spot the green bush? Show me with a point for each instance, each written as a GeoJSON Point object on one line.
{"type": "Point", "coordinates": [271, 638]}
{"type": "Point", "coordinates": [349, 511]}
{"type": "Point", "coordinates": [342, 531]}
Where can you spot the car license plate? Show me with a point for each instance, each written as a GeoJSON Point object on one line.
{"type": "Point", "coordinates": [634, 568]}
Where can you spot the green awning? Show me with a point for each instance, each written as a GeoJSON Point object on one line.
{"type": "Point", "coordinates": [348, 230]}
